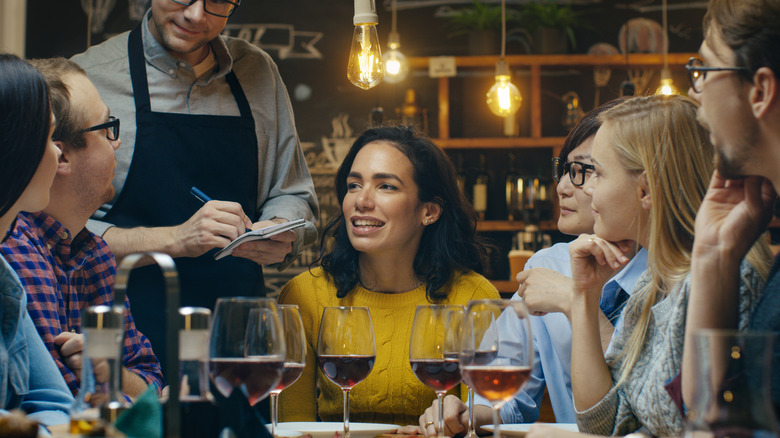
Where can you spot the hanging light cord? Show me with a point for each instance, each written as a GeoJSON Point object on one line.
{"type": "Point", "coordinates": [392, 28]}
{"type": "Point", "coordinates": [503, 28]}
{"type": "Point", "coordinates": [666, 36]}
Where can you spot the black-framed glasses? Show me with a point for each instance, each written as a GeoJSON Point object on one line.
{"type": "Point", "coordinates": [111, 127]}
{"type": "Point", "coordinates": [578, 172]}
{"type": "Point", "coordinates": [697, 71]}
{"type": "Point", "coordinates": [220, 8]}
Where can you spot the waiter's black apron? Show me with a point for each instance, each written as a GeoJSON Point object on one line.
{"type": "Point", "coordinates": [173, 152]}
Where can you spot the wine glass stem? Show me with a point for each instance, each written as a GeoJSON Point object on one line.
{"type": "Point", "coordinates": [471, 432]}
{"type": "Point", "coordinates": [496, 431]}
{"type": "Point", "coordinates": [274, 412]}
{"type": "Point", "coordinates": [440, 427]}
{"type": "Point", "coordinates": [346, 413]}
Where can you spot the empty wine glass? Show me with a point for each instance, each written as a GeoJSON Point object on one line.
{"type": "Point", "coordinates": [495, 378]}
{"type": "Point", "coordinates": [295, 356]}
{"type": "Point", "coordinates": [346, 349]}
{"type": "Point", "coordinates": [246, 347]}
{"type": "Point", "coordinates": [433, 350]}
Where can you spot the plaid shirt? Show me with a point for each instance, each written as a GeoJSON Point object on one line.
{"type": "Point", "coordinates": [64, 276]}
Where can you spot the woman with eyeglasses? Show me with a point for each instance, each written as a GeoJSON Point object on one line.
{"type": "Point", "coordinates": [29, 379]}
{"type": "Point", "coordinates": [546, 286]}
{"type": "Point", "coordinates": [653, 162]}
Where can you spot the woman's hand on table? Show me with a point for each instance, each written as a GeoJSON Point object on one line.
{"type": "Point", "coordinates": [456, 417]}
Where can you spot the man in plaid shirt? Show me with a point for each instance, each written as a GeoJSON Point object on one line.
{"type": "Point", "coordinates": [64, 267]}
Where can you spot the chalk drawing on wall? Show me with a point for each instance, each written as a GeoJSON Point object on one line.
{"type": "Point", "coordinates": [136, 9]}
{"type": "Point", "coordinates": [281, 38]}
{"type": "Point", "coordinates": [97, 12]}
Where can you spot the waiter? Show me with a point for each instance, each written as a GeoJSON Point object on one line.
{"type": "Point", "coordinates": [207, 111]}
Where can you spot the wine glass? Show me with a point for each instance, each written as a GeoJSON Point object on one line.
{"type": "Point", "coordinates": [295, 357]}
{"type": "Point", "coordinates": [434, 348]}
{"type": "Point", "coordinates": [246, 347]}
{"type": "Point", "coordinates": [498, 379]}
{"type": "Point", "coordinates": [346, 349]}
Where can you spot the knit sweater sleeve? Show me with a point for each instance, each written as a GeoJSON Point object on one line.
{"type": "Point", "coordinates": [298, 401]}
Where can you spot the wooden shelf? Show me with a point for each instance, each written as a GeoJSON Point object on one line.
{"type": "Point", "coordinates": [534, 63]}
{"type": "Point", "coordinates": [499, 142]}
{"type": "Point", "coordinates": [652, 60]}
{"type": "Point", "coordinates": [513, 226]}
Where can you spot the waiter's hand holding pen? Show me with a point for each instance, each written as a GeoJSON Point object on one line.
{"type": "Point", "coordinates": [262, 252]}
{"type": "Point", "coordinates": [204, 198]}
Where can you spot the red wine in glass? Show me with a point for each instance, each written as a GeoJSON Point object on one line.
{"type": "Point", "coordinates": [346, 349]}
{"type": "Point", "coordinates": [347, 370]}
{"type": "Point", "coordinates": [291, 372]}
{"type": "Point", "coordinates": [441, 375]}
{"type": "Point", "coordinates": [257, 375]}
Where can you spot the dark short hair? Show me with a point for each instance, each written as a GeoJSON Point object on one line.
{"type": "Point", "coordinates": [70, 121]}
{"type": "Point", "coordinates": [751, 28]}
{"type": "Point", "coordinates": [586, 127]}
{"type": "Point", "coordinates": [448, 245]}
{"type": "Point", "coordinates": [25, 120]}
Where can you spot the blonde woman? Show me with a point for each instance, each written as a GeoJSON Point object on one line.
{"type": "Point", "coordinates": [652, 165]}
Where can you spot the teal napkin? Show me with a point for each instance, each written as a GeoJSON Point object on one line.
{"type": "Point", "coordinates": [144, 418]}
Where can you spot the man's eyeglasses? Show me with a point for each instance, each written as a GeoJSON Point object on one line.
{"type": "Point", "coordinates": [697, 71]}
{"type": "Point", "coordinates": [577, 171]}
{"type": "Point", "coordinates": [220, 8]}
{"type": "Point", "coordinates": [111, 127]}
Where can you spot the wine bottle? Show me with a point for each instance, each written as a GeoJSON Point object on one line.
{"type": "Point", "coordinates": [514, 186]}
{"type": "Point", "coordinates": [480, 189]}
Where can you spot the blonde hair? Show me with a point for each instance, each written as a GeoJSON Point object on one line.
{"type": "Point", "coordinates": [659, 135]}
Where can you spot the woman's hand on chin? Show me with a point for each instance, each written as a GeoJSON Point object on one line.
{"type": "Point", "coordinates": [594, 261]}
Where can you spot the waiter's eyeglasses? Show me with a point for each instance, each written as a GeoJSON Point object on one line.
{"type": "Point", "coordinates": [578, 172]}
{"type": "Point", "coordinates": [111, 127]}
{"type": "Point", "coordinates": [220, 8]}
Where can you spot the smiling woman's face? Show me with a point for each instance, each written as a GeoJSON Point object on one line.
{"type": "Point", "coordinates": [614, 191]}
{"type": "Point", "coordinates": [381, 208]}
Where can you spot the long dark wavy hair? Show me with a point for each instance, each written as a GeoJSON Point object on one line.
{"type": "Point", "coordinates": [449, 244]}
{"type": "Point", "coordinates": [25, 118]}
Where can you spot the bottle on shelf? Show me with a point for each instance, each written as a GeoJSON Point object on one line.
{"type": "Point", "coordinates": [513, 190]}
{"type": "Point", "coordinates": [480, 189]}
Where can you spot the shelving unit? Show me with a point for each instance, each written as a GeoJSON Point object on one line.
{"type": "Point", "coordinates": [534, 63]}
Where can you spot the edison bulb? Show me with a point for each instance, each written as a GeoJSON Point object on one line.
{"type": "Point", "coordinates": [504, 98]}
{"type": "Point", "coordinates": [365, 69]}
{"type": "Point", "coordinates": [667, 88]}
{"type": "Point", "coordinates": [396, 64]}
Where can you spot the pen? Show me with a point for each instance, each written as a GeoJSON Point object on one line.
{"type": "Point", "coordinates": [200, 195]}
{"type": "Point", "coordinates": [205, 198]}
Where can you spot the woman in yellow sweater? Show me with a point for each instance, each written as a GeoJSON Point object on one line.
{"type": "Point", "coordinates": [405, 236]}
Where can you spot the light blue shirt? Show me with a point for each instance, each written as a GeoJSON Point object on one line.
{"type": "Point", "coordinates": [552, 341]}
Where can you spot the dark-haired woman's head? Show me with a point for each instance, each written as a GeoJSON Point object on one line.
{"type": "Point", "coordinates": [576, 216]}
{"type": "Point", "coordinates": [400, 198]}
{"type": "Point", "coordinates": [28, 157]}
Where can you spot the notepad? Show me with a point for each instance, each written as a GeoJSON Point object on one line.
{"type": "Point", "coordinates": [261, 234]}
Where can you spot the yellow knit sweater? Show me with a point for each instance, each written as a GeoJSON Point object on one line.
{"type": "Point", "coordinates": [391, 393]}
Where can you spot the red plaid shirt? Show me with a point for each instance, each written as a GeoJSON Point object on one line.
{"type": "Point", "coordinates": [62, 276]}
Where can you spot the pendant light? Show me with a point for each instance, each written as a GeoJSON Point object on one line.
{"type": "Point", "coordinates": [667, 86]}
{"type": "Point", "coordinates": [396, 64]}
{"type": "Point", "coordinates": [504, 98]}
{"type": "Point", "coordinates": [365, 69]}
